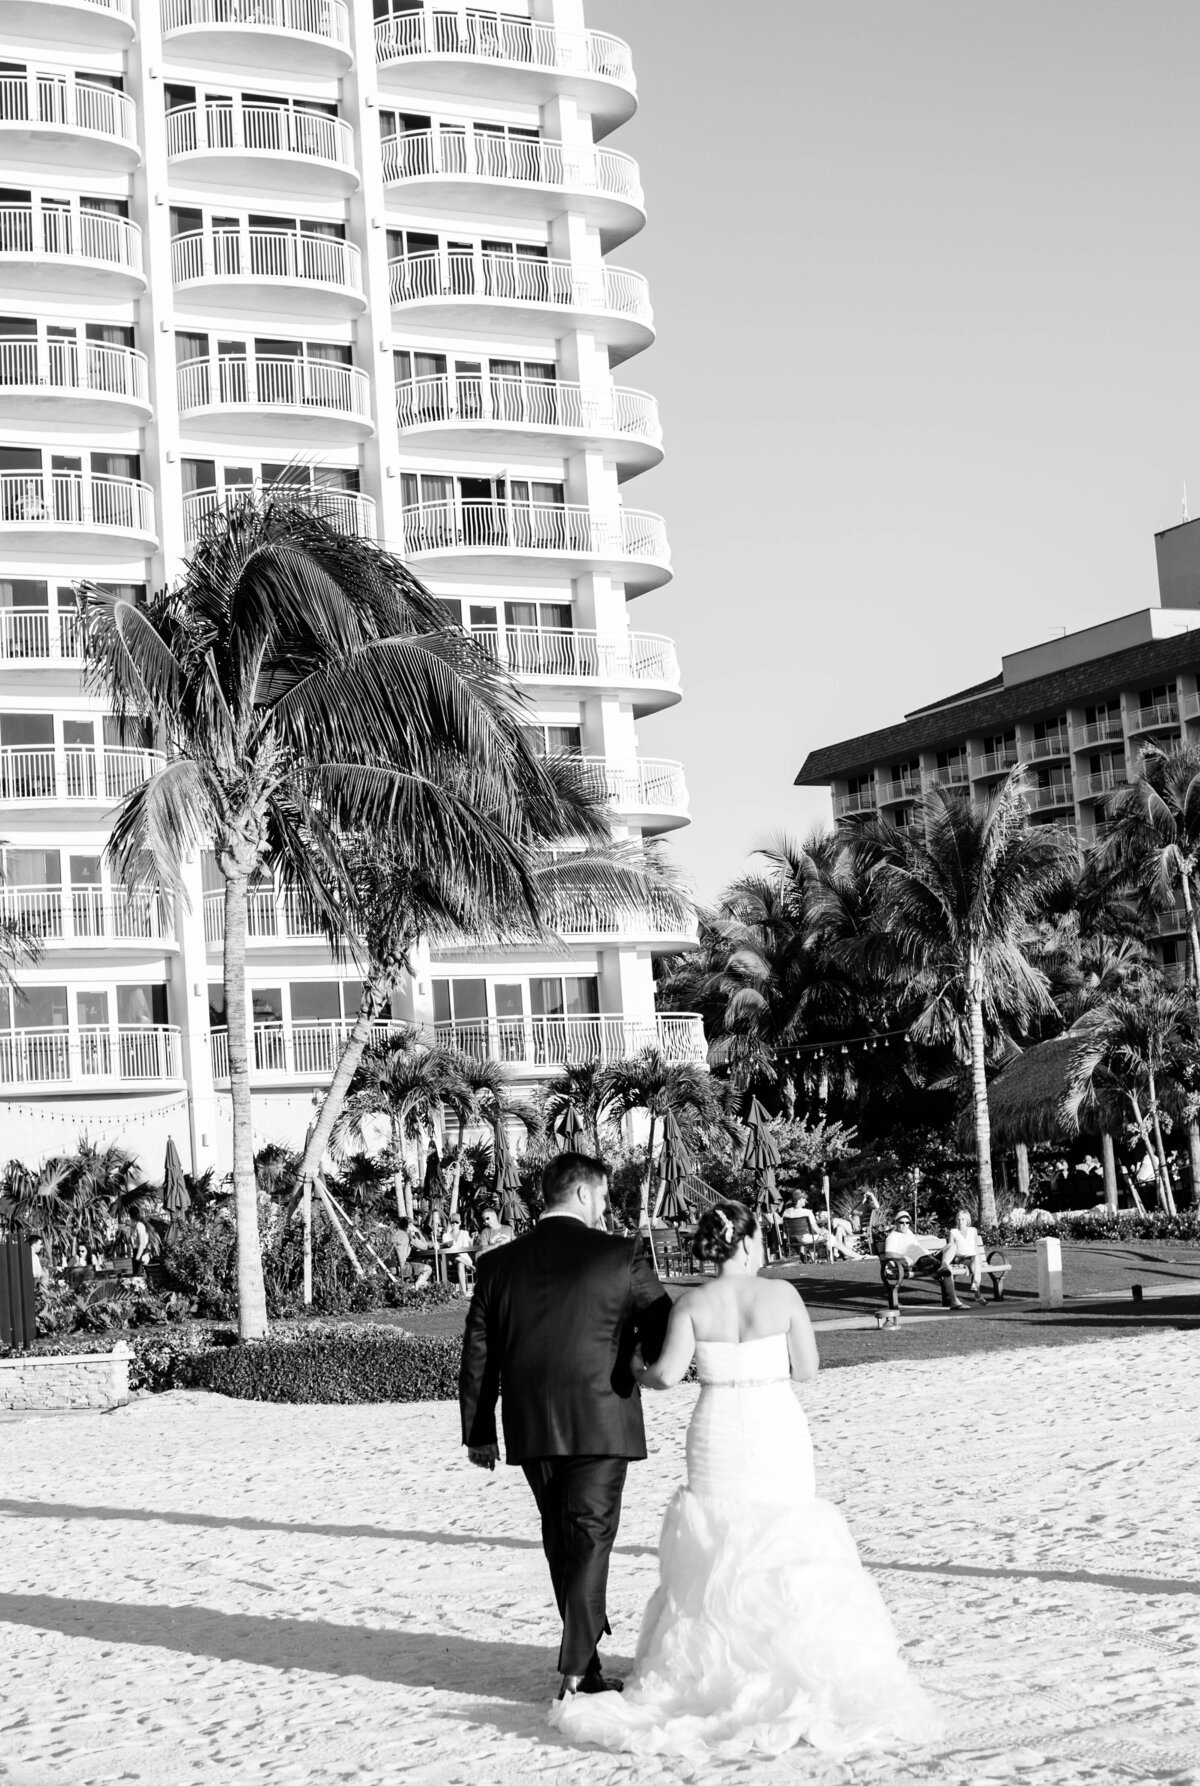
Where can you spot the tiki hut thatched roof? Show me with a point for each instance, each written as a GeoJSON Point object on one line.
{"type": "Point", "coordinates": [1025, 1098]}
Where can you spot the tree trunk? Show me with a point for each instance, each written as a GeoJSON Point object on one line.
{"type": "Point", "coordinates": [1160, 1150]}
{"type": "Point", "coordinates": [252, 1296]}
{"type": "Point", "coordinates": [644, 1212]}
{"type": "Point", "coordinates": [352, 1052]}
{"type": "Point", "coordinates": [983, 1121]}
{"type": "Point", "coordinates": [1193, 935]}
{"type": "Point", "coordinates": [1131, 1187]}
{"type": "Point", "coordinates": [1110, 1170]}
{"type": "Point", "coordinates": [1023, 1170]}
{"type": "Point", "coordinates": [1193, 1134]}
{"type": "Point", "coordinates": [1148, 1144]}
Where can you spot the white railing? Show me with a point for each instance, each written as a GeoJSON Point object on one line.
{"type": "Point", "coordinates": [1058, 744]}
{"type": "Point", "coordinates": [497, 37]}
{"type": "Point", "coordinates": [529, 403]}
{"type": "Point", "coordinates": [891, 793]}
{"type": "Point", "coordinates": [246, 253]}
{"type": "Point", "coordinates": [647, 783]}
{"type": "Point", "coordinates": [1155, 718]}
{"type": "Point", "coordinates": [58, 232]}
{"type": "Point", "coordinates": [268, 914]}
{"type": "Point", "coordinates": [1103, 782]}
{"type": "Point", "coordinates": [126, 1051]}
{"type": "Point", "coordinates": [1172, 921]}
{"type": "Point", "coordinates": [583, 915]}
{"type": "Point", "coordinates": [306, 18]}
{"type": "Point", "coordinates": [1101, 731]}
{"type": "Point", "coordinates": [76, 772]}
{"type": "Point", "coordinates": [300, 1049]}
{"type": "Point", "coordinates": [41, 632]}
{"type": "Point", "coordinates": [75, 499]}
{"type": "Point", "coordinates": [273, 381]}
{"type": "Point", "coordinates": [1059, 793]}
{"type": "Point", "coordinates": [556, 284]}
{"type": "Point", "coordinates": [569, 528]}
{"type": "Point", "coordinates": [517, 161]}
{"type": "Point", "coordinates": [1189, 705]}
{"type": "Point", "coordinates": [259, 129]}
{"type": "Point", "coordinates": [555, 1041]}
{"type": "Point", "coordinates": [87, 914]}
{"type": "Point", "coordinates": [42, 367]}
{"type": "Point", "coordinates": [123, 7]}
{"type": "Point", "coordinates": [995, 762]}
{"type": "Point", "coordinates": [862, 801]}
{"type": "Point", "coordinates": [344, 509]}
{"type": "Point", "coordinates": [564, 654]}
{"type": "Point", "coordinates": [65, 102]}
{"type": "Point", "coordinates": [950, 775]}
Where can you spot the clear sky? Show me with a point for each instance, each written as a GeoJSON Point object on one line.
{"type": "Point", "coordinates": [926, 275]}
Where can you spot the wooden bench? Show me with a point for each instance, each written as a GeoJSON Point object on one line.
{"type": "Point", "coordinates": [893, 1272]}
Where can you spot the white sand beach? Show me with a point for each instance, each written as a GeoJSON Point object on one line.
{"type": "Point", "coordinates": [196, 1590]}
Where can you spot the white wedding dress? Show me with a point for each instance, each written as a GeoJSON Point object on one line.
{"type": "Point", "coordinates": [765, 1631]}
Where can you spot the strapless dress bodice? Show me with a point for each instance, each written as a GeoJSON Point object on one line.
{"type": "Point", "coordinates": [734, 1364]}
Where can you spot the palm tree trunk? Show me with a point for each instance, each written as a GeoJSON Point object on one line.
{"type": "Point", "coordinates": [1110, 1170]}
{"type": "Point", "coordinates": [1160, 1150]}
{"type": "Point", "coordinates": [644, 1212]}
{"type": "Point", "coordinates": [1193, 1133]}
{"type": "Point", "coordinates": [983, 1121]}
{"type": "Point", "coordinates": [1193, 934]}
{"type": "Point", "coordinates": [252, 1296]}
{"type": "Point", "coordinates": [352, 1052]}
{"type": "Point", "coordinates": [1148, 1144]}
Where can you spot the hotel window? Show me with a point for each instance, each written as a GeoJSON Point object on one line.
{"type": "Point", "coordinates": [1052, 731]}
{"type": "Point", "coordinates": [460, 1001]}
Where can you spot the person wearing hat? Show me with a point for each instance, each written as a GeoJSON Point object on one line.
{"type": "Point", "coordinates": [923, 1255]}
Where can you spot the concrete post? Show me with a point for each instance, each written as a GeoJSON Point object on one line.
{"type": "Point", "coordinates": [1110, 1170]}
{"type": "Point", "coordinates": [1049, 1258]}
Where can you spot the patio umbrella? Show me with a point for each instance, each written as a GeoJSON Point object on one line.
{"type": "Point", "coordinates": [175, 1192]}
{"type": "Point", "coordinates": [568, 1125]}
{"type": "Point", "coordinates": [762, 1154]}
{"type": "Point", "coordinates": [673, 1205]}
{"type": "Point", "coordinates": [513, 1207]}
{"type": "Point", "coordinates": [674, 1166]}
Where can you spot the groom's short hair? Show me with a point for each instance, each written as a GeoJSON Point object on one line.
{"type": "Point", "coordinates": [568, 1172]}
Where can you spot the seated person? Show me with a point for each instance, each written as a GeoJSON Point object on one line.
{"type": "Point", "coordinates": [838, 1235]}
{"type": "Point", "coordinates": [964, 1244]}
{"type": "Point", "coordinates": [420, 1256]}
{"type": "Point", "coordinates": [923, 1256]}
{"type": "Point", "coordinates": [494, 1231]}
{"type": "Point", "coordinates": [796, 1210]}
{"type": "Point", "coordinates": [456, 1247]}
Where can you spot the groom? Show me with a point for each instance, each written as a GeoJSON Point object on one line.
{"type": "Point", "coordinates": [552, 1327]}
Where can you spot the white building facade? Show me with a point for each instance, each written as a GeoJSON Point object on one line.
{"type": "Point", "coordinates": [363, 249]}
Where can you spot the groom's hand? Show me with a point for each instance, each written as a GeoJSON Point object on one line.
{"type": "Point", "coordinates": [484, 1457]}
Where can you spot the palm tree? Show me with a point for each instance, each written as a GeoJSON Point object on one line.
{"type": "Point", "coordinates": [408, 1083]}
{"type": "Point", "coordinates": [577, 1086]}
{"type": "Point", "coordinates": [954, 897]}
{"type": "Point", "coordinates": [1155, 841]}
{"type": "Point", "coordinates": [654, 1085]}
{"type": "Point", "coordinates": [18, 944]}
{"type": "Point", "coordinates": [305, 686]}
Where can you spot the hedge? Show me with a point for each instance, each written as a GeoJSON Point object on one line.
{"type": "Point", "coordinates": [371, 1364]}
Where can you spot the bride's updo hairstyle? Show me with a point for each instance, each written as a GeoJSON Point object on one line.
{"type": "Point", "coordinates": [722, 1230]}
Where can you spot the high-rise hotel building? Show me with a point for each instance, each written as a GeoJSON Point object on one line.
{"type": "Point", "coordinates": [365, 250]}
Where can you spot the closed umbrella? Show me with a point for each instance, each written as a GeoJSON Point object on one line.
{"type": "Point", "coordinates": [568, 1125]}
{"type": "Point", "coordinates": [175, 1191]}
{"type": "Point", "coordinates": [762, 1153]}
{"type": "Point", "coordinates": [675, 1165]}
{"type": "Point", "coordinates": [513, 1207]}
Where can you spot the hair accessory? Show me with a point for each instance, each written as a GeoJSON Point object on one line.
{"type": "Point", "coordinates": [727, 1225]}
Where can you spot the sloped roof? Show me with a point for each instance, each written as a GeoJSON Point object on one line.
{"type": "Point", "coordinates": [995, 711]}
{"type": "Point", "coordinates": [1025, 1098]}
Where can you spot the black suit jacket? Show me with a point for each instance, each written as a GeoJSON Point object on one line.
{"type": "Point", "coordinates": [551, 1330]}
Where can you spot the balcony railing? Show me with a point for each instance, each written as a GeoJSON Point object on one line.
{"type": "Point", "coordinates": [253, 253]}
{"type": "Point", "coordinates": [515, 161]}
{"type": "Point", "coordinates": [580, 915]}
{"type": "Point", "coordinates": [561, 528]}
{"type": "Point", "coordinates": [75, 499]}
{"type": "Point", "coordinates": [343, 509]}
{"type": "Point", "coordinates": [259, 129]}
{"type": "Point", "coordinates": [1058, 793]}
{"type": "Point", "coordinates": [270, 916]}
{"type": "Point", "coordinates": [66, 102]}
{"type": "Point", "coordinates": [86, 914]}
{"type": "Point", "coordinates": [1157, 718]}
{"type": "Point", "coordinates": [308, 18]}
{"type": "Point", "coordinates": [892, 793]}
{"type": "Point", "coordinates": [127, 1053]}
{"type": "Point", "coordinates": [1172, 922]}
{"type": "Point", "coordinates": [950, 775]}
{"type": "Point", "coordinates": [1100, 731]}
{"type": "Point", "coordinates": [863, 800]}
{"type": "Point", "coordinates": [496, 37]}
{"type": "Point", "coordinates": [553, 404]}
{"type": "Point", "coordinates": [56, 232]}
{"type": "Point", "coordinates": [645, 784]}
{"type": "Point", "coordinates": [1189, 705]}
{"type": "Point", "coordinates": [1057, 744]}
{"type": "Point", "coordinates": [554, 284]}
{"type": "Point", "coordinates": [557, 1041]}
{"type": "Point", "coordinates": [27, 633]}
{"type": "Point", "coordinates": [288, 1050]}
{"type": "Point", "coordinates": [1103, 782]}
{"type": "Point", "coordinates": [76, 772]}
{"type": "Point", "coordinates": [994, 762]}
{"type": "Point", "coordinates": [566, 655]}
{"type": "Point", "coordinates": [46, 368]}
{"type": "Point", "coordinates": [273, 382]}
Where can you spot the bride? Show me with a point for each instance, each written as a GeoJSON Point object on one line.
{"type": "Point", "coordinates": [765, 1631]}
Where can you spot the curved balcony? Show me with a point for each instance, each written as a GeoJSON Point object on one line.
{"type": "Point", "coordinates": [313, 399]}
{"type": "Point", "coordinates": [307, 36]}
{"type": "Point", "coordinates": [66, 120]}
{"type": "Point", "coordinates": [492, 53]}
{"type": "Point", "coordinates": [69, 251]}
{"type": "Point", "coordinates": [1163, 716]}
{"type": "Point", "coordinates": [271, 917]}
{"type": "Point", "coordinates": [1105, 781]}
{"type": "Point", "coordinates": [627, 544]}
{"type": "Point", "coordinates": [548, 1043]}
{"type": "Point", "coordinates": [85, 917]}
{"type": "Point", "coordinates": [57, 508]}
{"type": "Point", "coordinates": [39, 635]}
{"type": "Point", "coordinates": [651, 789]}
{"type": "Point", "coordinates": [1038, 750]}
{"type": "Point", "coordinates": [661, 922]}
{"type": "Point", "coordinates": [93, 1055]}
{"type": "Point", "coordinates": [344, 509]}
{"type": "Point", "coordinates": [549, 416]}
{"type": "Point", "coordinates": [844, 805]}
{"type": "Point", "coordinates": [292, 1050]}
{"type": "Point", "coordinates": [277, 270]}
{"type": "Point", "coordinates": [1057, 794]}
{"type": "Point", "coordinates": [477, 172]}
{"type": "Point", "coordinates": [643, 666]}
{"type": "Point", "coordinates": [77, 774]}
{"type": "Point", "coordinates": [86, 24]}
{"type": "Point", "coordinates": [69, 380]}
{"type": "Point", "coordinates": [263, 145]}
{"type": "Point", "coordinates": [507, 293]}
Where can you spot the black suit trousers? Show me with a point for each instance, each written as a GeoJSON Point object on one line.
{"type": "Point", "coordinates": [579, 1499]}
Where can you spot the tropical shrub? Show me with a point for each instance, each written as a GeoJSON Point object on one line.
{"type": "Point", "coordinates": [338, 1364]}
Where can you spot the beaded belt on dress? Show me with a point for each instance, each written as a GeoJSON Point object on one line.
{"type": "Point", "coordinates": [741, 1382]}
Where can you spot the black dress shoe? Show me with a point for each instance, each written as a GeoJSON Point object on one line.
{"type": "Point", "coordinates": [594, 1681]}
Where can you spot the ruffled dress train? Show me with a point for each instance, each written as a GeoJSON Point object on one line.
{"type": "Point", "coordinates": [765, 1631]}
